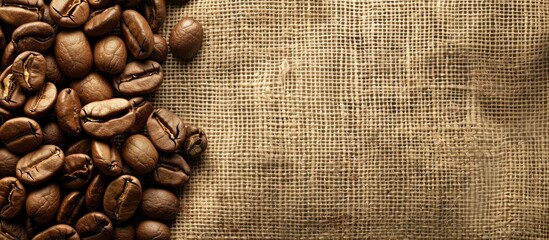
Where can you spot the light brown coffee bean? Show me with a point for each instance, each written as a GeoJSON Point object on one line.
{"type": "Point", "coordinates": [21, 134]}
{"type": "Point", "coordinates": [107, 118]}
{"type": "Point", "coordinates": [41, 165]}
{"type": "Point", "coordinates": [67, 109]}
{"type": "Point", "coordinates": [137, 34]}
{"type": "Point", "coordinates": [73, 53]}
{"type": "Point", "coordinates": [42, 102]}
{"type": "Point", "coordinates": [93, 87]}
{"type": "Point", "coordinates": [186, 38]}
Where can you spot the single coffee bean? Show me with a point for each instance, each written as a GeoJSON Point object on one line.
{"type": "Point", "coordinates": [12, 197]}
{"type": "Point", "coordinates": [12, 230]}
{"type": "Point", "coordinates": [78, 170]}
{"type": "Point", "coordinates": [97, 4]}
{"type": "Point", "coordinates": [148, 229]}
{"type": "Point", "coordinates": [94, 226]}
{"type": "Point", "coordinates": [3, 40]}
{"type": "Point", "coordinates": [139, 78]}
{"type": "Point", "coordinates": [93, 87]}
{"type": "Point", "coordinates": [53, 73]}
{"type": "Point", "coordinates": [139, 154]}
{"type": "Point", "coordinates": [48, 19]}
{"type": "Point", "coordinates": [122, 198]}
{"type": "Point", "coordinates": [143, 110]}
{"type": "Point", "coordinates": [33, 36]}
{"type": "Point", "coordinates": [107, 118]}
{"type": "Point", "coordinates": [40, 165]}
{"type": "Point", "coordinates": [110, 55]}
{"type": "Point", "coordinates": [69, 14]}
{"type": "Point", "coordinates": [57, 232]}
{"type": "Point", "coordinates": [159, 204]}
{"type": "Point", "coordinates": [160, 50]}
{"type": "Point", "coordinates": [137, 34]}
{"type": "Point", "coordinates": [32, 228]}
{"type": "Point", "coordinates": [54, 135]}
{"type": "Point", "coordinates": [155, 13]}
{"type": "Point", "coordinates": [95, 192]}
{"type": "Point", "coordinates": [171, 171]}
{"type": "Point", "coordinates": [19, 12]}
{"type": "Point", "coordinates": [195, 144]}
{"type": "Point", "coordinates": [73, 52]}
{"type": "Point", "coordinates": [123, 231]}
{"type": "Point", "coordinates": [103, 21]}
{"type": "Point", "coordinates": [42, 204]}
{"type": "Point", "coordinates": [71, 208]}
{"type": "Point", "coordinates": [12, 97]}
{"type": "Point", "coordinates": [8, 161]}
{"type": "Point", "coordinates": [10, 53]}
{"type": "Point", "coordinates": [106, 157]}
{"type": "Point", "coordinates": [21, 134]}
{"type": "Point", "coordinates": [166, 130]}
{"type": "Point", "coordinates": [67, 109]}
{"type": "Point", "coordinates": [5, 115]}
{"type": "Point", "coordinates": [186, 38]}
{"type": "Point", "coordinates": [42, 102]}
{"type": "Point", "coordinates": [29, 70]}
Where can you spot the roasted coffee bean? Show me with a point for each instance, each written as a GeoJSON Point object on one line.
{"type": "Point", "coordinates": [12, 230]}
{"type": "Point", "coordinates": [12, 197]}
{"type": "Point", "coordinates": [78, 170]}
{"type": "Point", "coordinates": [159, 204]}
{"type": "Point", "coordinates": [5, 115]}
{"type": "Point", "coordinates": [160, 51]}
{"type": "Point", "coordinates": [103, 21]}
{"type": "Point", "coordinates": [18, 12]}
{"type": "Point", "coordinates": [93, 87]}
{"type": "Point", "coordinates": [29, 70]}
{"type": "Point", "coordinates": [171, 171]}
{"type": "Point", "coordinates": [186, 38]}
{"type": "Point", "coordinates": [137, 34]}
{"type": "Point", "coordinates": [12, 96]}
{"type": "Point", "coordinates": [82, 146]}
{"type": "Point", "coordinates": [53, 73]}
{"type": "Point", "coordinates": [123, 231]}
{"type": "Point", "coordinates": [57, 232]}
{"type": "Point", "coordinates": [21, 134]}
{"type": "Point", "coordinates": [106, 157]}
{"type": "Point", "coordinates": [42, 102]}
{"type": "Point", "coordinates": [71, 208]}
{"type": "Point", "coordinates": [53, 134]}
{"type": "Point", "coordinates": [40, 165]}
{"type": "Point", "coordinates": [97, 4]}
{"type": "Point", "coordinates": [139, 78]}
{"type": "Point", "coordinates": [94, 226]}
{"type": "Point", "coordinates": [33, 36]}
{"type": "Point", "coordinates": [155, 13]}
{"type": "Point", "coordinates": [110, 55]}
{"type": "Point", "coordinates": [107, 118]}
{"type": "Point", "coordinates": [10, 53]}
{"type": "Point", "coordinates": [73, 53]}
{"type": "Point", "coordinates": [67, 109]}
{"type": "Point", "coordinates": [195, 143]}
{"type": "Point", "coordinates": [8, 161]}
{"type": "Point", "coordinates": [166, 130]}
{"type": "Point", "coordinates": [42, 204]}
{"type": "Point", "coordinates": [95, 192]}
{"type": "Point", "coordinates": [3, 40]}
{"type": "Point", "coordinates": [122, 198]}
{"type": "Point", "coordinates": [143, 110]}
{"type": "Point", "coordinates": [48, 19]}
{"type": "Point", "coordinates": [69, 14]}
{"type": "Point", "coordinates": [139, 154]}
{"type": "Point", "coordinates": [148, 229]}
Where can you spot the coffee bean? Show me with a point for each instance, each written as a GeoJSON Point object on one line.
{"type": "Point", "coordinates": [186, 38]}
{"type": "Point", "coordinates": [143, 110]}
{"type": "Point", "coordinates": [48, 19]}
{"type": "Point", "coordinates": [106, 157]}
{"type": "Point", "coordinates": [53, 134]}
{"type": "Point", "coordinates": [18, 12]}
{"type": "Point", "coordinates": [148, 229]}
{"type": "Point", "coordinates": [139, 154]}
{"type": "Point", "coordinates": [155, 13]}
{"type": "Point", "coordinates": [53, 73]}
{"type": "Point", "coordinates": [67, 109]}
{"type": "Point", "coordinates": [12, 97]}
{"type": "Point", "coordinates": [122, 198]}
{"type": "Point", "coordinates": [29, 70]}
{"type": "Point", "coordinates": [93, 87]}
{"type": "Point", "coordinates": [171, 171]}
{"type": "Point", "coordinates": [2, 40]}
{"type": "Point", "coordinates": [97, 4]}
{"type": "Point", "coordinates": [21, 134]}
{"type": "Point", "coordinates": [73, 53]}
{"type": "Point", "coordinates": [160, 50]}
{"type": "Point", "coordinates": [139, 78]}
{"type": "Point", "coordinates": [40, 165]}
{"type": "Point", "coordinates": [9, 160]}
{"type": "Point", "coordinates": [69, 14]}
{"type": "Point", "coordinates": [95, 192]}
{"type": "Point", "coordinates": [78, 170]}
{"type": "Point", "coordinates": [159, 204]}
{"type": "Point", "coordinates": [71, 208]}
{"type": "Point", "coordinates": [12, 197]}
{"type": "Point", "coordinates": [5, 115]}
{"type": "Point", "coordinates": [33, 36]}
{"type": "Point", "coordinates": [107, 118]}
{"type": "Point", "coordinates": [42, 102]}
{"type": "Point", "coordinates": [12, 230]}
{"type": "Point", "coordinates": [123, 231]}
{"type": "Point", "coordinates": [166, 130]}
{"type": "Point", "coordinates": [94, 226]}
{"type": "Point", "coordinates": [110, 55]}
{"type": "Point", "coordinates": [56, 232]}
{"type": "Point", "coordinates": [137, 34]}
{"type": "Point", "coordinates": [195, 144]}
{"type": "Point", "coordinates": [103, 21]}
{"type": "Point", "coordinates": [42, 204]}
{"type": "Point", "coordinates": [10, 53]}
{"type": "Point", "coordinates": [81, 146]}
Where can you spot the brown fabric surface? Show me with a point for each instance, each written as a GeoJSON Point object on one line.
{"type": "Point", "coordinates": [366, 119]}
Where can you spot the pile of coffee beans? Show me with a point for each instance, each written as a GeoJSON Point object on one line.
{"type": "Point", "coordinates": [83, 153]}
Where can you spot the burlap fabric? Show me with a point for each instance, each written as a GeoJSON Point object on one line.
{"type": "Point", "coordinates": [366, 119]}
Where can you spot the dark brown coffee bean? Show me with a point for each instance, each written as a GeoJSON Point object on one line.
{"type": "Point", "coordinates": [73, 53]}
{"type": "Point", "coordinates": [107, 118]}
{"type": "Point", "coordinates": [155, 13]}
{"type": "Point", "coordinates": [67, 109]}
{"type": "Point", "coordinates": [137, 34]}
{"type": "Point", "coordinates": [57, 232]}
{"type": "Point", "coordinates": [21, 134]}
{"type": "Point", "coordinates": [12, 197]}
{"type": "Point", "coordinates": [94, 226]}
{"type": "Point", "coordinates": [42, 102]}
{"type": "Point", "coordinates": [97, 4]}
{"type": "Point", "coordinates": [159, 204]}
{"type": "Point", "coordinates": [48, 19]}
{"type": "Point", "coordinates": [95, 192]}
{"type": "Point", "coordinates": [139, 154]}
{"type": "Point", "coordinates": [8, 161]}
{"type": "Point", "coordinates": [143, 110]}
{"type": "Point", "coordinates": [12, 96]}
{"type": "Point", "coordinates": [78, 170]}
{"type": "Point", "coordinates": [18, 12]}
{"type": "Point", "coordinates": [93, 87]}
{"type": "Point", "coordinates": [122, 198]}
{"type": "Point", "coordinates": [139, 78]}
{"type": "Point", "coordinates": [123, 231]}
{"type": "Point", "coordinates": [42, 204]}
{"type": "Point", "coordinates": [160, 50]}
{"type": "Point", "coordinates": [53, 73]}
{"type": "Point", "coordinates": [33, 36]}
{"type": "Point", "coordinates": [195, 143]}
{"type": "Point", "coordinates": [110, 55]}
{"type": "Point", "coordinates": [103, 21]}
{"type": "Point", "coordinates": [171, 171]}
{"type": "Point", "coordinates": [82, 146]}
{"type": "Point", "coordinates": [12, 230]}
{"type": "Point", "coordinates": [148, 229]}
{"type": "Point", "coordinates": [106, 157]}
{"type": "Point", "coordinates": [186, 38]}
{"type": "Point", "coordinates": [3, 40]}
{"type": "Point", "coordinates": [5, 115]}
{"type": "Point", "coordinates": [69, 14]}
{"type": "Point", "coordinates": [166, 130]}
{"type": "Point", "coordinates": [54, 135]}
{"type": "Point", "coordinates": [10, 53]}
{"type": "Point", "coordinates": [71, 208]}
{"type": "Point", "coordinates": [40, 165]}
{"type": "Point", "coordinates": [29, 70]}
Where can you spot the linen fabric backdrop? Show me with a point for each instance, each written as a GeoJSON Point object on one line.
{"type": "Point", "coordinates": [365, 119]}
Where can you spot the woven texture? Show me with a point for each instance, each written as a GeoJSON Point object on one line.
{"type": "Point", "coordinates": [358, 119]}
